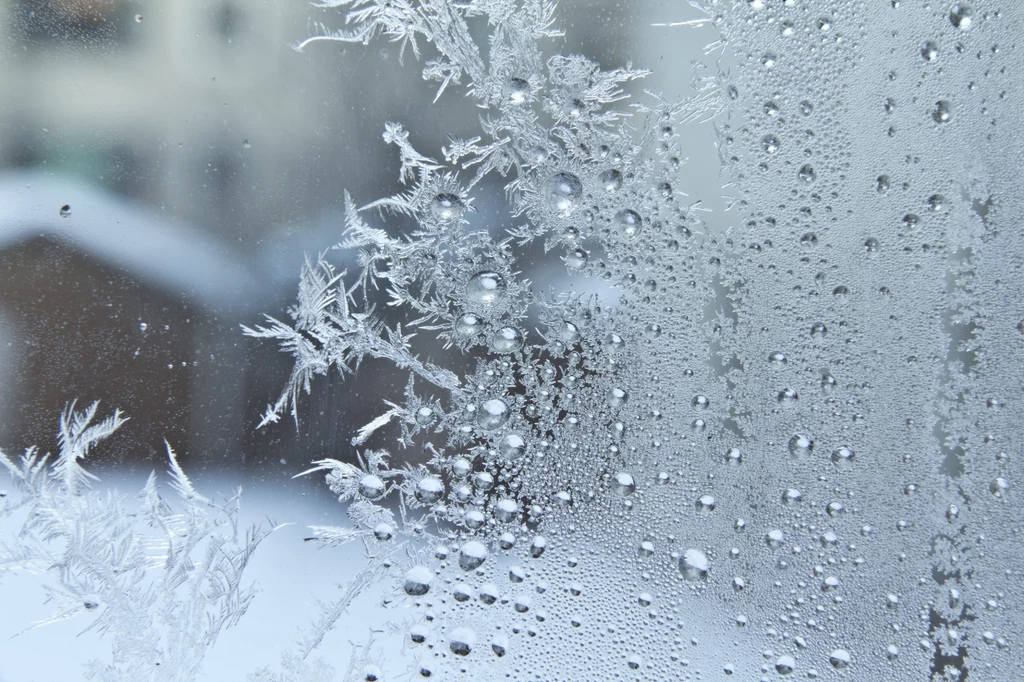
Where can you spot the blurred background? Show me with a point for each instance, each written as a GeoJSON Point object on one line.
{"type": "Point", "coordinates": [164, 168]}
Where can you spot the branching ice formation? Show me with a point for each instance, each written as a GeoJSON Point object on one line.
{"type": "Point", "coordinates": [161, 583]}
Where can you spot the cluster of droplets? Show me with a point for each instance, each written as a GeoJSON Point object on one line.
{"type": "Point", "coordinates": [647, 439]}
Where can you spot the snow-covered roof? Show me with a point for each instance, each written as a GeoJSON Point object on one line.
{"type": "Point", "coordinates": [154, 248]}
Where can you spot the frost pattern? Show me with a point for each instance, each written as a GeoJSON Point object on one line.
{"type": "Point", "coordinates": [788, 448]}
{"type": "Point", "coordinates": [160, 582]}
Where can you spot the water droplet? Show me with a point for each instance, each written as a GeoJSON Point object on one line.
{"type": "Point", "coordinates": [999, 486]}
{"type": "Point", "coordinates": [694, 565]}
{"type": "Point", "coordinates": [492, 414]}
{"type": "Point", "coordinates": [705, 504]}
{"type": "Point", "coordinates": [563, 192]}
{"type": "Point", "coordinates": [775, 538]}
{"type": "Point", "coordinates": [512, 446]}
{"type": "Point", "coordinates": [516, 90]}
{"type": "Point", "coordinates": [624, 484]}
{"type": "Point", "coordinates": [138, 18]}
{"type": "Point", "coordinates": [930, 51]}
{"type": "Point", "coordinates": [961, 16]}
{"type": "Point", "coordinates": [785, 664]}
{"type": "Point", "coordinates": [701, 402]}
{"type": "Point", "coordinates": [462, 641]}
{"type": "Point", "coordinates": [943, 112]}
{"type": "Point", "coordinates": [537, 546]}
{"type": "Point", "coordinates": [807, 174]}
{"type": "Point", "coordinates": [472, 555]}
{"type": "Point", "coordinates": [468, 325]}
{"type": "Point", "coordinates": [483, 480]}
{"type": "Point", "coordinates": [936, 203]}
{"type": "Point", "coordinates": [499, 645]}
{"type": "Point", "coordinates": [800, 446]}
{"type": "Point", "coordinates": [628, 222]}
{"type": "Point", "coordinates": [733, 457]}
{"type": "Point", "coordinates": [425, 416]}
{"type": "Point", "coordinates": [842, 455]}
{"type": "Point", "coordinates": [839, 658]}
{"type": "Point", "coordinates": [611, 180]}
{"type": "Point", "coordinates": [818, 330]}
{"type": "Point", "coordinates": [770, 144]}
{"type": "Point", "coordinates": [576, 258]}
{"type": "Point", "coordinates": [506, 510]}
{"type": "Point", "coordinates": [617, 397]}
{"type": "Point", "coordinates": [507, 340]}
{"type": "Point", "coordinates": [371, 487]}
{"type": "Point", "coordinates": [787, 396]}
{"type": "Point", "coordinates": [417, 580]}
{"type": "Point", "coordinates": [792, 497]}
{"type": "Point", "coordinates": [446, 207]}
{"type": "Point", "coordinates": [486, 288]}
{"type": "Point", "coordinates": [806, 108]}
{"type": "Point", "coordinates": [429, 489]}
{"type": "Point", "coordinates": [65, 211]}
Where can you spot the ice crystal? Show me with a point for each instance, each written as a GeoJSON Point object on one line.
{"type": "Point", "coordinates": [161, 582]}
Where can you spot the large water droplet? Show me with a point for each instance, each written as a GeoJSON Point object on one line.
{"type": "Point", "coordinates": [486, 288]}
{"type": "Point", "coordinates": [417, 580]}
{"type": "Point", "coordinates": [371, 487]}
{"type": "Point", "coordinates": [617, 397]}
{"type": "Point", "coordinates": [512, 446]}
{"type": "Point", "coordinates": [800, 446]}
{"type": "Point", "coordinates": [839, 658]}
{"type": "Point", "coordinates": [611, 180]}
{"type": "Point", "coordinates": [446, 207]}
{"type": "Point", "coordinates": [694, 565]}
{"type": "Point", "coordinates": [429, 489]}
{"type": "Point", "coordinates": [961, 16]}
{"type": "Point", "coordinates": [462, 641]}
{"type": "Point", "coordinates": [943, 112]}
{"type": "Point", "coordinates": [468, 325]}
{"type": "Point", "coordinates": [563, 192]}
{"type": "Point", "coordinates": [807, 173]}
{"type": "Point", "coordinates": [472, 555]}
{"type": "Point", "coordinates": [492, 414]}
{"type": "Point", "coordinates": [624, 483]}
{"type": "Point", "coordinates": [628, 222]}
{"type": "Point", "coordinates": [507, 340]}
{"type": "Point", "coordinates": [785, 664]}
